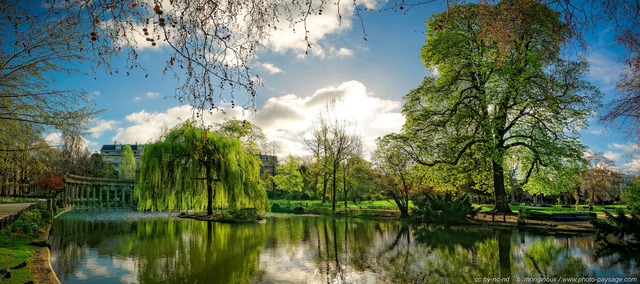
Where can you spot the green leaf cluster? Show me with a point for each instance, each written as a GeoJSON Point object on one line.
{"type": "Point", "coordinates": [289, 177]}
{"type": "Point", "coordinates": [127, 164]}
{"type": "Point", "coordinates": [444, 208]}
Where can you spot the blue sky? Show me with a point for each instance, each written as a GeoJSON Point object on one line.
{"type": "Point", "coordinates": [371, 77]}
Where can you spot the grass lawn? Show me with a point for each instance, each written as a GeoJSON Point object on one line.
{"type": "Point", "coordinates": [375, 204]}
{"type": "Point", "coordinates": [13, 251]}
{"type": "Point", "coordinates": [555, 208]}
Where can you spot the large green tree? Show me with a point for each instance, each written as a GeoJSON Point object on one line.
{"type": "Point", "coordinates": [489, 100]}
{"type": "Point", "coordinates": [194, 168]}
{"type": "Point", "coordinates": [289, 178]}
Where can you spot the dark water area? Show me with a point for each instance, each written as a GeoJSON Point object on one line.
{"type": "Point", "coordinates": [122, 247]}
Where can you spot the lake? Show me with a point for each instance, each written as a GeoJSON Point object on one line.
{"type": "Point", "coordinates": [133, 247]}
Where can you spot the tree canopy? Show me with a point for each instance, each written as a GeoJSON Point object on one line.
{"type": "Point", "coordinates": [194, 168]}
{"type": "Point", "coordinates": [289, 177]}
{"type": "Point", "coordinates": [492, 100]}
{"type": "Point", "coordinates": [127, 163]}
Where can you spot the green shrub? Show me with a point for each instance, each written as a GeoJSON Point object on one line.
{"type": "Point", "coordinates": [299, 210]}
{"type": "Point", "coordinates": [28, 223]}
{"type": "Point", "coordinates": [246, 214]}
{"type": "Point", "coordinates": [442, 208]}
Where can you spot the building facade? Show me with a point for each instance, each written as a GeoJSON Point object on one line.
{"type": "Point", "coordinates": [112, 153]}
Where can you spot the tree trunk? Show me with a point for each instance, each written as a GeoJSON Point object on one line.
{"type": "Point", "coordinates": [504, 253]}
{"type": "Point", "coordinates": [324, 187]}
{"type": "Point", "coordinates": [344, 186]}
{"type": "Point", "coordinates": [209, 190]}
{"type": "Point", "coordinates": [501, 204]}
{"type": "Point", "coordinates": [333, 190]}
{"type": "Point", "coordinates": [593, 196]}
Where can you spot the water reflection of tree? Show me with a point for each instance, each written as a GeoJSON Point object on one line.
{"type": "Point", "coordinates": [626, 258]}
{"type": "Point", "coordinates": [166, 251]}
{"type": "Point", "coordinates": [549, 260]}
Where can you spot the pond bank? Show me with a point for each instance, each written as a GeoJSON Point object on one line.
{"type": "Point", "coordinates": [41, 268]}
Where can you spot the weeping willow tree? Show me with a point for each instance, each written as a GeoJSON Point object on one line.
{"type": "Point", "coordinates": [191, 167]}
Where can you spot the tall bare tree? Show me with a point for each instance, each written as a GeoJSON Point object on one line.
{"type": "Point", "coordinates": [600, 177]}
{"type": "Point", "coordinates": [334, 140]}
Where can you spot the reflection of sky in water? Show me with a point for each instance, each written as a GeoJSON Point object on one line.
{"type": "Point", "coordinates": [286, 250]}
{"type": "Point", "coordinates": [94, 266]}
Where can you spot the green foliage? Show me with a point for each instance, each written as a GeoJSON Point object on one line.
{"type": "Point", "coordinates": [632, 197]}
{"type": "Point", "coordinates": [299, 210]}
{"type": "Point", "coordinates": [29, 223]}
{"type": "Point", "coordinates": [100, 168]}
{"type": "Point", "coordinates": [241, 215]}
{"type": "Point", "coordinates": [289, 177]}
{"type": "Point", "coordinates": [618, 230]}
{"type": "Point", "coordinates": [249, 134]}
{"type": "Point", "coordinates": [442, 208]}
{"type": "Point", "coordinates": [173, 174]}
{"type": "Point", "coordinates": [127, 164]}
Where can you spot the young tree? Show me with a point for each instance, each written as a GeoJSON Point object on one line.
{"type": "Point", "coordinates": [396, 173]}
{"type": "Point", "coordinates": [100, 168]}
{"type": "Point", "coordinates": [127, 164]}
{"type": "Point", "coordinates": [192, 167]}
{"type": "Point", "coordinates": [289, 178]}
{"type": "Point", "coordinates": [250, 134]}
{"type": "Point", "coordinates": [358, 177]}
{"type": "Point", "coordinates": [490, 100]}
{"type": "Point", "coordinates": [74, 155]}
{"type": "Point", "coordinates": [51, 182]}
{"type": "Point", "coordinates": [318, 143]}
{"type": "Point", "coordinates": [599, 178]}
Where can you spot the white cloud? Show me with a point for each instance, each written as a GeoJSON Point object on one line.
{"type": "Point", "coordinates": [152, 94]}
{"type": "Point", "coordinates": [55, 139]}
{"type": "Point", "coordinates": [625, 155]}
{"type": "Point", "coordinates": [633, 165]}
{"type": "Point", "coordinates": [344, 52]}
{"type": "Point", "coordinates": [270, 68]}
{"type": "Point", "coordinates": [101, 126]}
{"type": "Point", "coordinates": [287, 38]}
{"type": "Point", "coordinates": [283, 118]}
{"type": "Point", "coordinates": [137, 99]}
{"type": "Point", "coordinates": [604, 68]}
{"type": "Point", "coordinates": [614, 156]}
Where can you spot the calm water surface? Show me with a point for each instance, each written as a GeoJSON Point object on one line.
{"type": "Point", "coordinates": [121, 247]}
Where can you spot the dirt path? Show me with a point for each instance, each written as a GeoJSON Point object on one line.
{"type": "Point", "coordinates": [7, 209]}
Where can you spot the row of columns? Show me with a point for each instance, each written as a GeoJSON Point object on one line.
{"type": "Point", "coordinates": [80, 194]}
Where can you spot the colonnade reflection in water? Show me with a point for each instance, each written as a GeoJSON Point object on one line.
{"type": "Point", "coordinates": [317, 250]}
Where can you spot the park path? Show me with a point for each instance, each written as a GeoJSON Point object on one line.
{"type": "Point", "coordinates": [7, 209]}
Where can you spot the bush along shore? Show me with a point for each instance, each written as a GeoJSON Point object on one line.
{"type": "Point", "coordinates": [246, 215]}
{"type": "Point", "coordinates": [24, 255]}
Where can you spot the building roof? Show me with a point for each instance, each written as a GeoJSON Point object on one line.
{"type": "Point", "coordinates": [112, 147]}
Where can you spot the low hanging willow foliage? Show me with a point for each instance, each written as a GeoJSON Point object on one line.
{"type": "Point", "coordinates": [173, 173]}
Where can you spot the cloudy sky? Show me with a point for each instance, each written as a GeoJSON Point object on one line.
{"type": "Point", "coordinates": [369, 77]}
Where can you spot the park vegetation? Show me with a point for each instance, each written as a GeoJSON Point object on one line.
{"type": "Point", "coordinates": [192, 167]}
